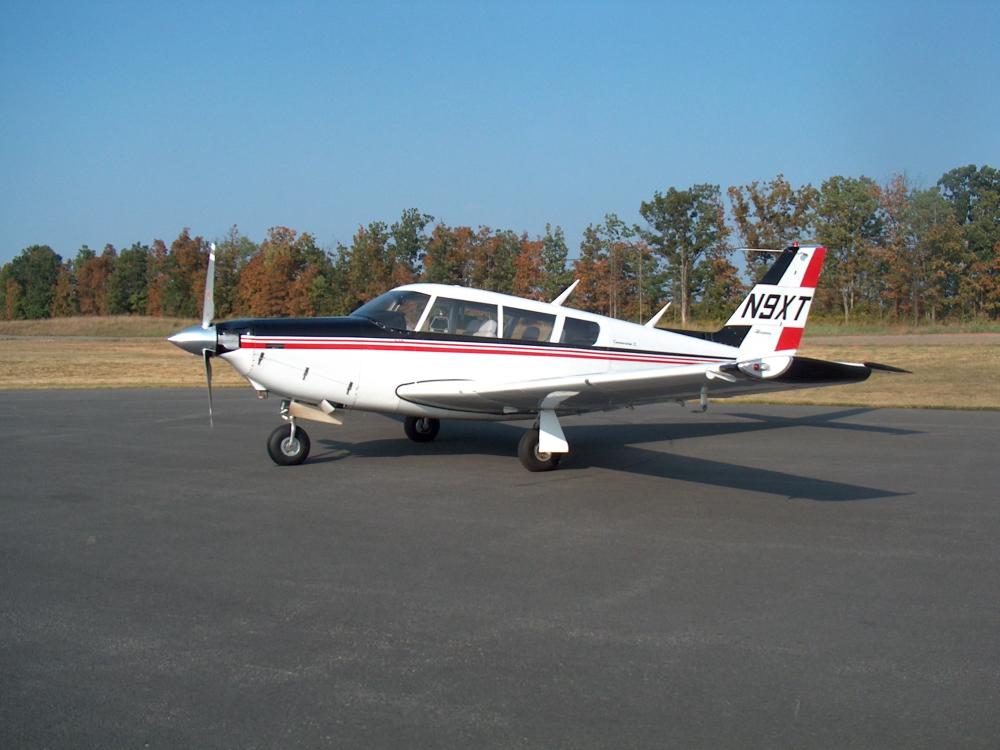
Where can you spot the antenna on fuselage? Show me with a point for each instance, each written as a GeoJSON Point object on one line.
{"type": "Point", "coordinates": [565, 295]}
{"type": "Point", "coordinates": [651, 323]}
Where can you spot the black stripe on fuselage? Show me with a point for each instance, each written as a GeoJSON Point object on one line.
{"type": "Point", "coordinates": [358, 327]}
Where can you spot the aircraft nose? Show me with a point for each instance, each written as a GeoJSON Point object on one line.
{"type": "Point", "coordinates": [195, 339]}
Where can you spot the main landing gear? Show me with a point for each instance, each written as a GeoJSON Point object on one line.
{"type": "Point", "coordinates": [531, 457]}
{"type": "Point", "coordinates": [421, 429]}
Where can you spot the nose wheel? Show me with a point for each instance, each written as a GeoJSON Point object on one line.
{"type": "Point", "coordinates": [288, 445]}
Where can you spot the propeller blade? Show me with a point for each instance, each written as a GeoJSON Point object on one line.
{"type": "Point", "coordinates": [208, 307]}
{"type": "Point", "coordinates": [207, 356]}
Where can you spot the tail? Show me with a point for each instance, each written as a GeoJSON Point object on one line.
{"type": "Point", "coordinates": [773, 315]}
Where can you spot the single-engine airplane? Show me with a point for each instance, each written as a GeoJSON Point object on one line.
{"type": "Point", "coordinates": [429, 352]}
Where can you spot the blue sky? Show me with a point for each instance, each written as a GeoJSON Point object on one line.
{"type": "Point", "coordinates": [124, 122]}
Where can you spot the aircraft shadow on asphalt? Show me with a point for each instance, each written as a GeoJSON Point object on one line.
{"type": "Point", "coordinates": [615, 447]}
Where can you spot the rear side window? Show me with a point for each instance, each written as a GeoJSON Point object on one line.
{"type": "Point", "coordinates": [527, 325]}
{"type": "Point", "coordinates": [578, 332]}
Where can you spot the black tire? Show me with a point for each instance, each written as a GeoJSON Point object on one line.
{"type": "Point", "coordinates": [531, 458]}
{"type": "Point", "coordinates": [421, 429]}
{"type": "Point", "coordinates": [285, 452]}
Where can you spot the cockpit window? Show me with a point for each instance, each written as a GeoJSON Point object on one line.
{"type": "Point", "coordinates": [397, 309]}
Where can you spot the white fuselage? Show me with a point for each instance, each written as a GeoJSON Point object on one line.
{"type": "Point", "coordinates": [364, 372]}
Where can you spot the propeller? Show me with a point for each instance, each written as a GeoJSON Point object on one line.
{"type": "Point", "coordinates": [207, 356]}
{"type": "Point", "coordinates": [208, 304]}
{"type": "Point", "coordinates": [202, 339]}
{"type": "Point", "coordinates": [207, 313]}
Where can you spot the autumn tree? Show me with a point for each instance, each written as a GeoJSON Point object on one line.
{"type": "Point", "coordinates": [290, 275]}
{"type": "Point", "coordinates": [232, 254]}
{"type": "Point", "coordinates": [617, 271]}
{"type": "Point", "coordinates": [591, 269]}
{"type": "Point", "coordinates": [92, 274]}
{"type": "Point", "coordinates": [529, 270]}
{"type": "Point", "coordinates": [771, 216]}
{"type": "Point", "coordinates": [87, 283]}
{"type": "Point", "coordinates": [10, 295]}
{"type": "Point", "coordinates": [185, 268]}
{"type": "Point", "coordinates": [64, 299]}
{"type": "Point", "coordinates": [448, 256]}
{"type": "Point", "coordinates": [683, 226]}
{"type": "Point", "coordinates": [156, 278]}
{"type": "Point", "coordinates": [618, 238]}
{"type": "Point", "coordinates": [719, 286]}
{"type": "Point", "coordinates": [492, 260]}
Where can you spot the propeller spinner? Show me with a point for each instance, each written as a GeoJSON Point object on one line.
{"type": "Point", "coordinates": [202, 339]}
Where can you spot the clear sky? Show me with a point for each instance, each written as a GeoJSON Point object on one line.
{"type": "Point", "coordinates": [125, 122]}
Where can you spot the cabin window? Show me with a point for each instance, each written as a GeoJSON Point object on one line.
{"type": "Point", "coordinates": [578, 332]}
{"type": "Point", "coordinates": [457, 316]}
{"type": "Point", "coordinates": [398, 309]}
{"type": "Point", "coordinates": [527, 325]}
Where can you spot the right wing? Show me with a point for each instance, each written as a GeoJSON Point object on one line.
{"type": "Point", "coordinates": [603, 391]}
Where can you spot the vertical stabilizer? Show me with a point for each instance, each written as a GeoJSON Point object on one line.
{"type": "Point", "coordinates": [776, 309]}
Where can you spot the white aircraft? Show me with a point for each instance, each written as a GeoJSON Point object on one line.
{"type": "Point", "coordinates": [429, 352]}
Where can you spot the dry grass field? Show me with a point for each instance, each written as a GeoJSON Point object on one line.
{"type": "Point", "coordinates": [30, 362]}
{"type": "Point", "coordinates": [949, 370]}
{"type": "Point", "coordinates": [125, 326]}
{"type": "Point", "coordinates": [957, 375]}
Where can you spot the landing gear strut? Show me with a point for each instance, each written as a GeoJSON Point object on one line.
{"type": "Point", "coordinates": [421, 429]}
{"type": "Point", "coordinates": [288, 445]}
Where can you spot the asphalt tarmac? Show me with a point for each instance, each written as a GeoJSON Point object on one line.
{"type": "Point", "coordinates": [750, 577]}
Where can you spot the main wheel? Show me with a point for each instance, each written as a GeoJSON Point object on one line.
{"type": "Point", "coordinates": [286, 450]}
{"type": "Point", "coordinates": [421, 429]}
{"type": "Point", "coordinates": [533, 459]}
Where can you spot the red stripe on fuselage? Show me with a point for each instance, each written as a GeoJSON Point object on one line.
{"type": "Point", "coordinates": [461, 348]}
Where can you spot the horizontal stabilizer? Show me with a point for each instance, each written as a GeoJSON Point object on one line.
{"type": "Point", "coordinates": [886, 368]}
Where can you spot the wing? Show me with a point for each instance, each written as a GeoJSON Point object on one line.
{"type": "Point", "coordinates": [603, 391]}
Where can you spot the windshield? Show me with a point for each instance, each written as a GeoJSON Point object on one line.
{"type": "Point", "coordinates": [396, 309]}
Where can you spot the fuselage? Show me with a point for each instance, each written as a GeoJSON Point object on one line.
{"type": "Point", "coordinates": [432, 332]}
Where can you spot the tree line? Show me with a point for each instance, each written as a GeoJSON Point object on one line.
{"type": "Point", "coordinates": [895, 253]}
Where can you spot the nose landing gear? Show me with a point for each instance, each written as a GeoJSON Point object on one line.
{"type": "Point", "coordinates": [288, 445]}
